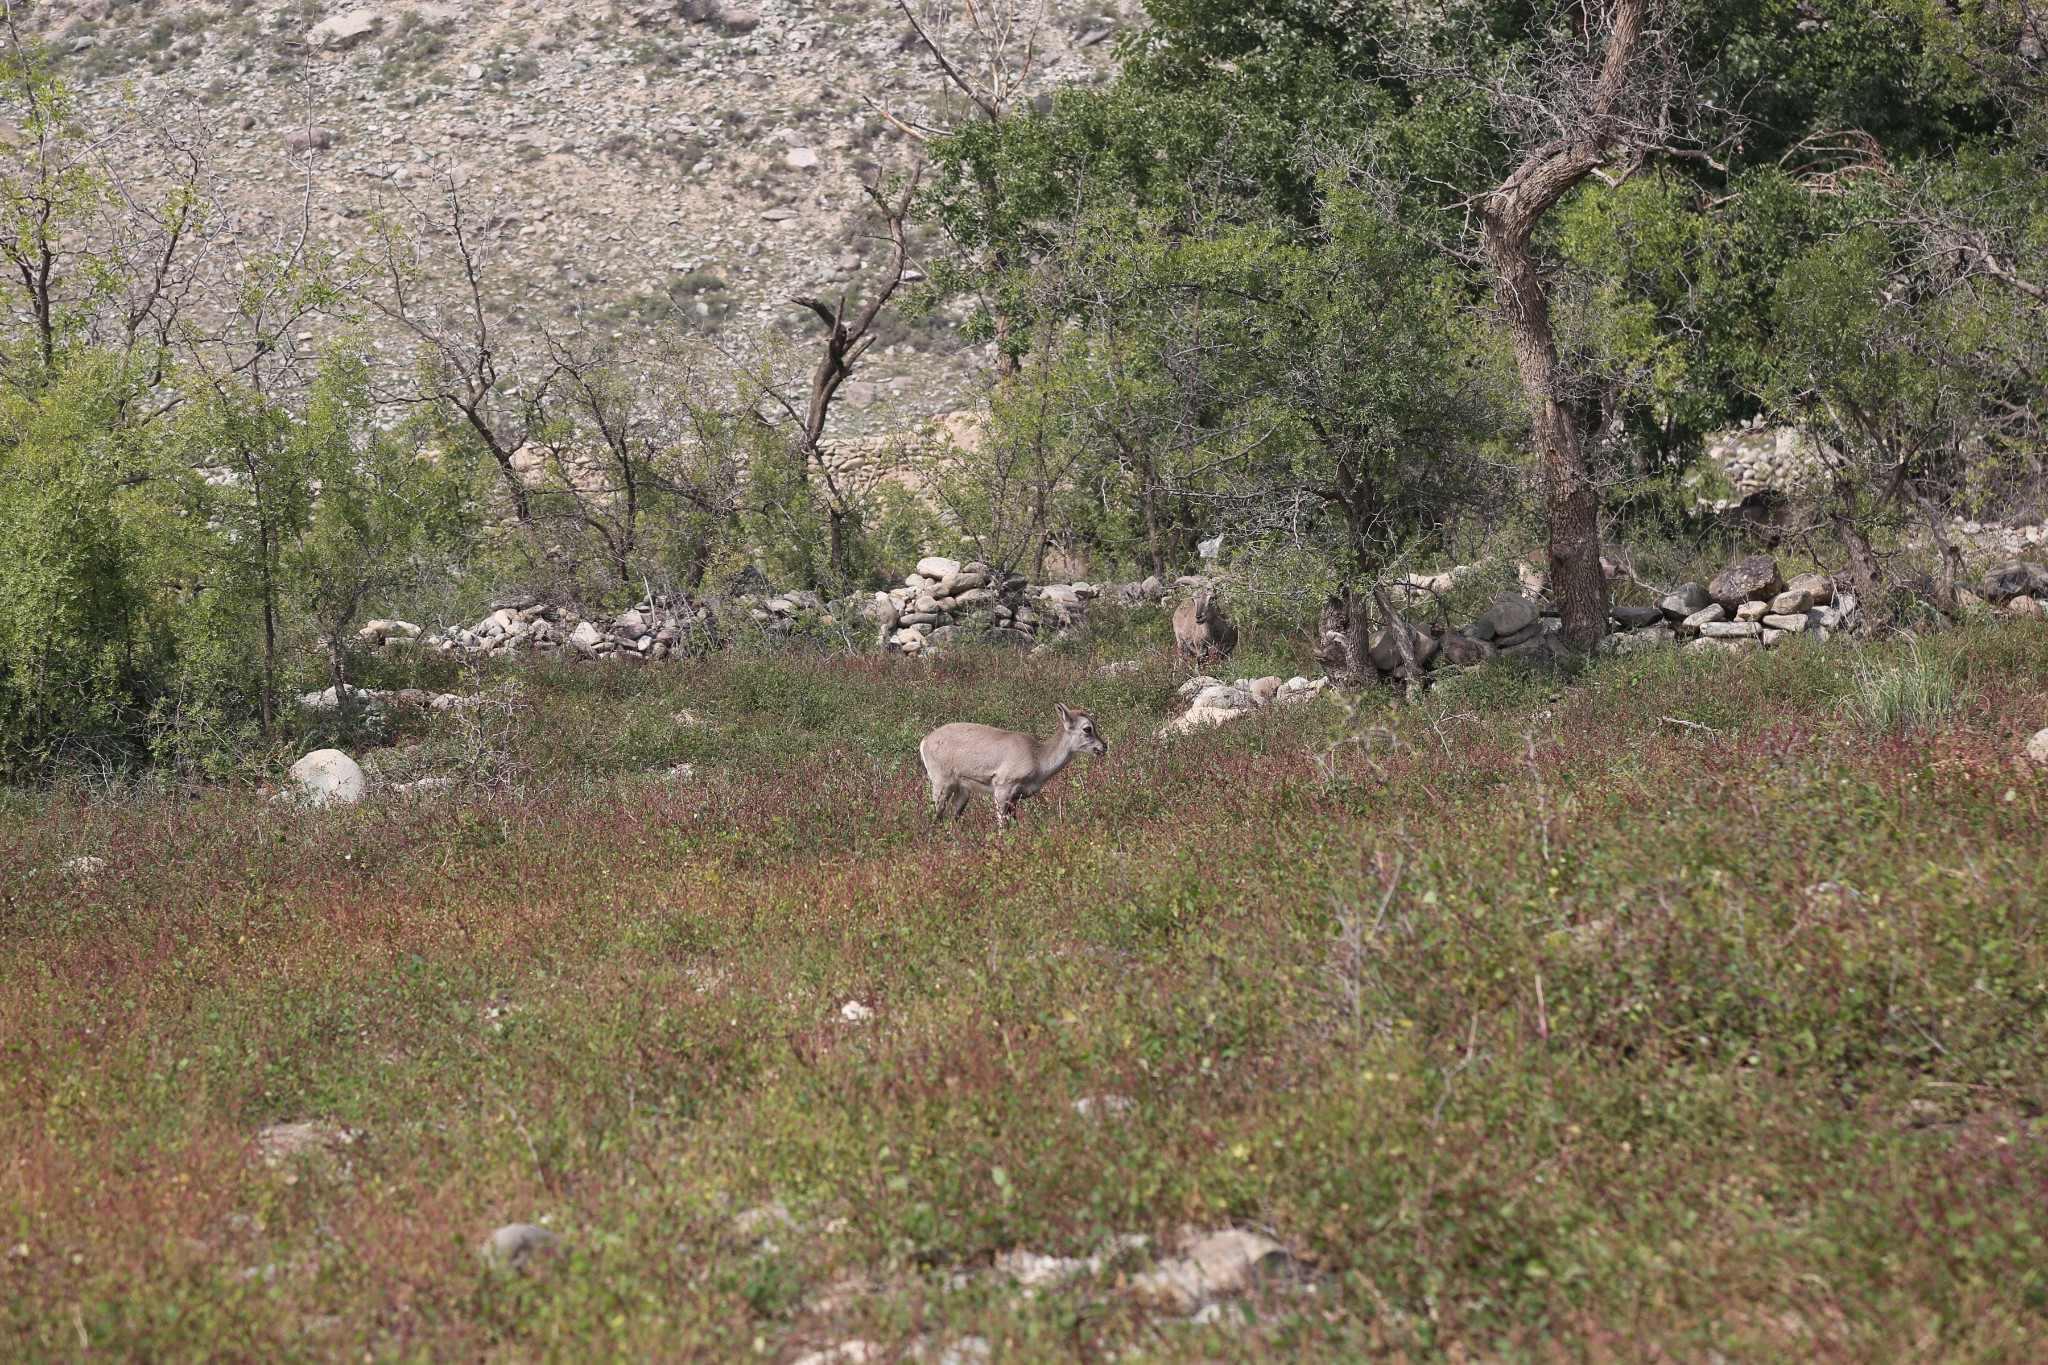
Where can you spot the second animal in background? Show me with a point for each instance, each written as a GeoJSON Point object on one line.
{"type": "Point", "coordinates": [1202, 631]}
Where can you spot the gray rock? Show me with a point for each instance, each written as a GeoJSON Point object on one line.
{"type": "Point", "coordinates": [2037, 748]}
{"type": "Point", "coordinates": [2014, 578]}
{"type": "Point", "coordinates": [1731, 630]}
{"type": "Point", "coordinates": [1510, 613]}
{"type": "Point", "coordinates": [1819, 584]}
{"type": "Point", "coordinates": [761, 1220]}
{"type": "Point", "coordinates": [1105, 1106]}
{"type": "Point", "coordinates": [1639, 641]}
{"type": "Point", "coordinates": [1210, 1268]}
{"type": "Point", "coordinates": [1635, 618]}
{"type": "Point", "coordinates": [1687, 600]}
{"type": "Point", "coordinates": [328, 777]}
{"type": "Point", "coordinates": [516, 1246]}
{"type": "Point", "coordinates": [1462, 651]}
{"type": "Point", "coordinates": [1788, 622]}
{"type": "Point", "coordinates": [328, 699]}
{"type": "Point", "coordinates": [1385, 650]}
{"type": "Point", "coordinates": [281, 1142]}
{"type": "Point", "coordinates": [1223, 697]}
{"type": "Point", "coordinates": [938, 567]}
{"type": "Point", "coordinates": [342, 29]}
{"type": "Point", "coordinates": [1752, 611]}
{"type": "Point", "coordinates": [1747, 580]}
{"type": "Point", "coordinates": [1792, 602]}
{"type": "Point", "coordinates": [1542, 649]}
{"type": "Point", "coordinates": [1518, 638]}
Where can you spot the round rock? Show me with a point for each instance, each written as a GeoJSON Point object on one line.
{"type": "Point", "coordinates": [1754, 579]}
{"type": "Point", "coordinates": [328, 777]}
{"type": "Point", "coordinates": [2037, 748]}
{"type": "Point", "coordinates": [515, 1245]}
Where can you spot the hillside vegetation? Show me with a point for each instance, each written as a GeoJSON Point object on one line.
{"type": "Point", "coordinates": [1687, 1012]}
{"type": "Point", "coordinates": [492, 498]}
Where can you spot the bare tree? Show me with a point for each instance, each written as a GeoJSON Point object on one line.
{"type": "Point", "coordinates": [467, 356]}
{"type": "Point", "coordinates": [1002, 38]}
{"type": "Point", "coordinates": [847, 339]}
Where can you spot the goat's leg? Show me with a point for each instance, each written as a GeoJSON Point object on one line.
{"type": "Point", "coordinates": [1006, 798]}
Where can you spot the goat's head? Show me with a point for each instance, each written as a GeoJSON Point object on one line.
{"type": "Point", "coordinates": [1205, 608]}
{"type": "Point", "coordinates": [1081, 732]}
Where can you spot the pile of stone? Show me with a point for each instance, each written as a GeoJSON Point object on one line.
{"type": "Point", "coordinates": [942, 599]}
{"type": "Point", "coordinates": [945, 602]}
{"type": "Point", "coordinates": [412, 698]}
{"type": "Point", "coordinates": [2018, 587]}
{"type": "Point", "coordinates": [1756, 458]}
{"type": "Point", "coordinates": [1750, 606]}
{"type": "Point", "coordinates": [651, 629]}
{"type": "Point", "coordinates": [1214, 702]}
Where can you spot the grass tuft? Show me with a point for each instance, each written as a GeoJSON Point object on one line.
{"type": "Point", "coordinates": [1916, 693]}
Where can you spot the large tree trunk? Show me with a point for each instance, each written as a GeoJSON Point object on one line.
{"type": "Point", "coordinates": [1570, 501]}
{"type": "Point", "coordinates": [1508, 218]}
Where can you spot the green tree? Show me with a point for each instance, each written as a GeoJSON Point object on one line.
{"type": "Point", "coordinates": [383, 513]}
{"type": "Point", "coordinates": [83, 634]}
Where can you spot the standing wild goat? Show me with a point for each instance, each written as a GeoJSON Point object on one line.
{"type": "Point", "coordinates": [962, 759]}
{"type": "Point", "coordinates": [1202, 631]}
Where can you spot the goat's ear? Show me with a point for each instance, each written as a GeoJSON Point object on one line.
{"type": "Point", "coordinates": [1065, 714]}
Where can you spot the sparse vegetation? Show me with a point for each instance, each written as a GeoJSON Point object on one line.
{"type": "Point", "coordinates": [1494, 1034]}
{"type": "Point", "coordinates": [1658, 976]}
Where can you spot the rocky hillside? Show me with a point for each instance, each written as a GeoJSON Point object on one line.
{"type": "Point", "coordinates": [639, 158]}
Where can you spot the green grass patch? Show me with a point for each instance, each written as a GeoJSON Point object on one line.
{"type": "Point", "coordinates": [1536, 1026]}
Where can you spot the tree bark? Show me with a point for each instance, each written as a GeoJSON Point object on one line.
{"type": "Point", "coordinates": [1865, 574]}
{"type": "Point", "coordinates": [844, 345]}
{"type": "Point", "coordinates": [1508, 218]}
{"type": "Point", "coordinates": [1411, 671]}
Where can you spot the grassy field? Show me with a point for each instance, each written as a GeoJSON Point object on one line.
{"type": "Point", "coordinates": [1534, 1025]}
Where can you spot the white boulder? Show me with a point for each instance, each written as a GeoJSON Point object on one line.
{"type": "Point", "coordinates": [328, 777]}
{"type": "Point", "coordinates": [343, 27]}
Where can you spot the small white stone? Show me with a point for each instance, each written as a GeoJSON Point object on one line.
{"type": "Point", "coordinates": [1197, 718]}
{"type": "Point", "coordinates": [1105, 1106]}
{"type": "Point", "coordinates": [854, 1012]}
{"type": "Point", "coordinates": [853, 1352]}
{"type": "Point", "coordinates": [514, 1245]}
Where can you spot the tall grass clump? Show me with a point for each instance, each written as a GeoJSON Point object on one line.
{"type": "Point", "coordinates": [1914, 694]}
